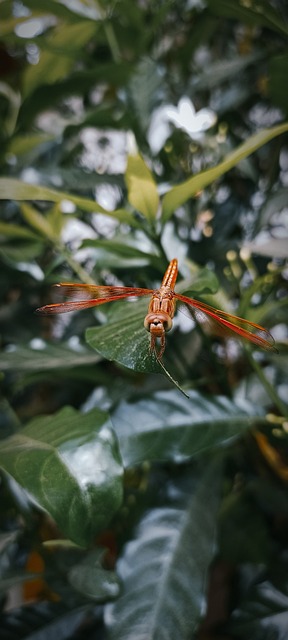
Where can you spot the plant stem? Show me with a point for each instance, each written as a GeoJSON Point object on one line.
{"type": "Point", "coordinates": [282, 408]}
{"type": "Point", "coordinates": [81, 273]}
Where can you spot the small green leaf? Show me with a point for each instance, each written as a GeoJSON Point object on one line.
{"type": "Point", "coordinates": [164, 569]}
{"type": "Point", "coordinates": [173, 428]}
{"type": "Point", "coordinates": [204, 280]}
{"type": "Point", "coordinates": [38, 221]}
{"type": "Point", "coordinates": [142, 189]}
{"type": "Point", "coordinates": [23, 144]}
{"type": "Point", "coordinates": [69, 463]}
{"type": "Point", "coordinates": [91, 580]}
{"type": "Point", "coordinates": [182, 192]}
{"type": "Point", "coordinates": [10, 230]}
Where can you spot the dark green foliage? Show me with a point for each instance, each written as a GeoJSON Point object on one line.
{"type": "Point", "coordinates": [121, 500]}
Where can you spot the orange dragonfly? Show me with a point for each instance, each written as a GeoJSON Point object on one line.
{"type": "Point", "coordinates": [161, 310]}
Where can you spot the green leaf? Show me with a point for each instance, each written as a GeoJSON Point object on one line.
{"type": "Point", "coordinates": [91, 580]}
{"type": "Point", "coordinates": [63, 47]}
{"type": "Point", "coordinates": [23, 144]}
{"type": "Point", "coordinates": [12, 189]}
{"type": "Point", "coordinates": [124, 338]}
{"type": "Point", "coordinates": [142, 189]}
{"type": "Point", "coordinates": [77, 83]}
{"type": "Point", "coordinates": [10, 230]}
{"type": "Point", "coordinates": [38, 221]}
{"type": "Point", "coordinates": [168, 427]}
{"type": "Point", "coordinates": [44, 619]}
{"type": "Point", "coordinates": [180, 194]}
{"type": "Point", "coordinates": [145, 87]}
{"type": "Point", "coordinates": [164, 569]}
{"type": "Point", "coordinates": [204, 280]}
{"type": "Point", "coordinates": [41, 356]}
{"type": "Point", "coordinates": [70, 464]}
{"type": "Point", "coordinates": [261, 610]}
{"type": "Point", "coordinates": [260, 13]}
{"type": "Point", "coordinates": [16, 253]}
{"type": "Point", "coordinates": [123, 249]}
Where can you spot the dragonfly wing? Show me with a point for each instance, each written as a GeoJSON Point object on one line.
{"type": "Point", "coordinates": [86, 296]}
{"type": "Point", "coordinates": [227, 325]}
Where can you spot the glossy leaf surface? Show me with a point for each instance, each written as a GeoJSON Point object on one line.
{"type": "Point", "coordinates": [164, 569]}
{"type": "Point", "coordinates": [70, 464]}
{"type": "Point", "coordinates": [167, 426]}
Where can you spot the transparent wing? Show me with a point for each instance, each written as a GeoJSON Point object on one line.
{"type": "Point", "coordinates": [84, 296]}
{"type": "Point", "coordinates": [227, 325]}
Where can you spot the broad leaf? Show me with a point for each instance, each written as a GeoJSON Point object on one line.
{"type": "Point", "coordinates": [40, 355]}
{"type": "Point", "coordinates": [164, 570]}
{"type": "Point", "coordinates": [124, 339]}
{"type": "Point", "coordinates": [142, 190]}
{"type": "Point", "coordinates": [180, 194]}
{"type": "Point", "coordinates": [168, 427]}
{"type": "Point", "coordinates": [70, 464]}
{"type": "Point", "coordinates": [124, 252]}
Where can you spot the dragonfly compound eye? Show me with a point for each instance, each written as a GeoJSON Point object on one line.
{"type": "Point", "coordinates": [158, 323]}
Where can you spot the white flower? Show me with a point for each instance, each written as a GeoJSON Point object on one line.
{"type": "Point", "coordinates": [184, 117]}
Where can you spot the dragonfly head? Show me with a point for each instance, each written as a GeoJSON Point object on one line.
{"type": "Point", "coordinates": [158, 323]}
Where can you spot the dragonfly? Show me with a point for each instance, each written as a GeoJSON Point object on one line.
{"type": "Point", "coordinates": [161, 310]}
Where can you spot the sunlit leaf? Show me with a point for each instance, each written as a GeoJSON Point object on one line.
{"type": "Point", "coordinates": [63, 46]}
{"type": "Point", "coordinates": [142, 190]}
{"type": "Point", "coordinates": [164, 569]}
{"type": "Point", "coordinates": [70, 464]}
{"type": "Point", "coordinates": [182, 192]}
{"type": "Point", "coordinates": [38, 222]}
